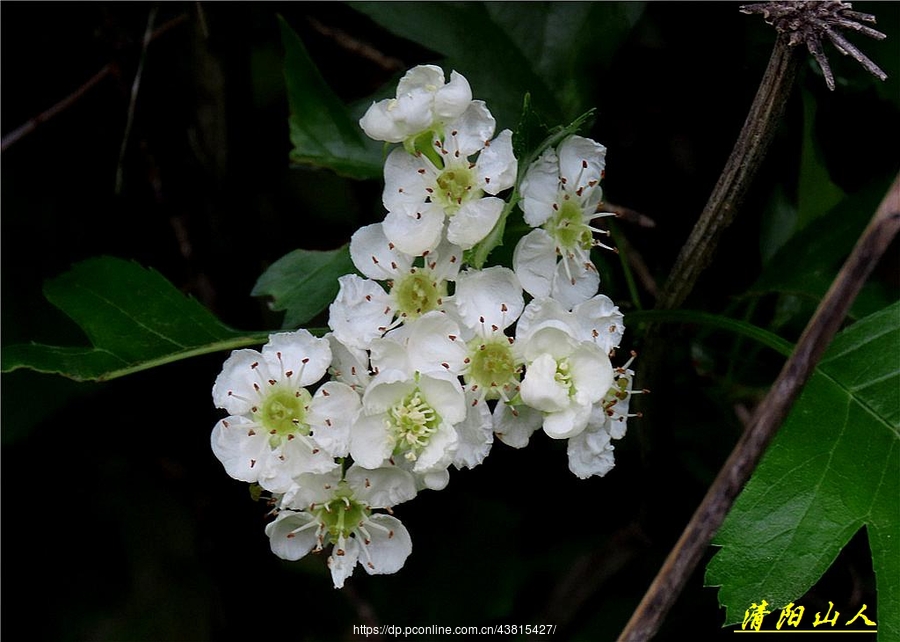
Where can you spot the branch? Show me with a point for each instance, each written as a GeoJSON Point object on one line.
{"type": "Point", "coordinates": [29, 126]}
{"type": "Point", "coordinates": [768, 417]}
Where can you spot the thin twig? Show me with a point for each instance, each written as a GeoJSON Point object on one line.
{"type": "Point", "coordinates": [132, 103]}
{"type": "Point", "coordinates": [766, 420]}
{"type": "Point", "coordinates": [29, 126]}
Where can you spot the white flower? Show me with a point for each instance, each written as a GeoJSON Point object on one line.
{"type": "Point", "coordinates": [422, 190]}
{"type": "Point", "coordinates": [423, 102]}
{"type": "Point", "coordinates": [409, 419]}
{"type": "Point", "coordinates": [564, 378]}
{"type": "Point", "coordinates": [591, 452]}
{"type": "Point", "coordinates": [560, 193]}
{"type": "Point", "coordinates": [598, 320]}
{"type": "Point", "coordinates": [277, 429]}
{"type": "Point", "coordinates": [325, 509]}
{"type": "Point", "coordinates": [363, 310]}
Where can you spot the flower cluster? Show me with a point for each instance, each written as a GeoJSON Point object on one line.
{"type": "Point", "coordinates": [428, 359]}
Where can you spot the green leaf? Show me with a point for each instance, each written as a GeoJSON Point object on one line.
{"type": "Point", "coordinates": [304, 282]}
{"type": "Point", "coordinates": [322, 131]}
{"type": "Point", "coordinates": [135, 320]}
{"type": "Point", "coordinates": [833, 468]}
{"type": "Point", "coordinates": [816, 192]}
{"type": "Point", "coordinates": [554, 47]}
{"type": "Point", "coordinates": [807, 264]}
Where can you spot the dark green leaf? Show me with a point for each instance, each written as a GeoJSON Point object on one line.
{"type": "Point", "coordinates": [304, 282]}
{"type": "Point", "coordinates": [833, 468]}
{"type": "Point", "coordinates": [322, 131]}
{"type": "Point", "coordinates": [134, 318]}
{"type": "Point", "coordinates": [551, 46]}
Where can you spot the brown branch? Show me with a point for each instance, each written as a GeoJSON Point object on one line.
{"type": "Point", "coordinates": [29, 126]}
{"type": "Point", "coordinates": [766, 419]}
{"type": "Point", "coordinates": [740, 169]}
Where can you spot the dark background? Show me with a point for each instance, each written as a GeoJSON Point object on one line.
{"type": "Point", "coordinates": [120, 524]}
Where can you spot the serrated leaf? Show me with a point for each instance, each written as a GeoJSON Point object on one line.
{"type": "Point", "coordinates": [304, 282]}
{"type": "Point", "coordinates": [833, 468]}
{"type": "Point", "coordinates": [322, 131]}
{"type": "Point", "coordinates": [134, 318]}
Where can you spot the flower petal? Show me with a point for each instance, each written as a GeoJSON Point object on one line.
{"type": "Point", "coordinates": [496, 166]}
{"type": "Point", "coordinates": [534, 261]}
{"type": "Point", "coordinates": [374, 256]}
{"type": "Point", "coordinates": [360, 313]}
{"type": "Point", "coordinates": [286, 540]}
{"type": "Point", "coordinates": [389, 546]}
{"type": "Point", "coordinates": [417, 233]}
{"type": "Point", "coordinates": [473, 221]}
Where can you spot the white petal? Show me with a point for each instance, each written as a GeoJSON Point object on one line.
{"type": "Point", "coordinates": [443, 392]}
{"type": "Point", "coordinates": [421, 78]}
{"type": "Point", "coordinates": [240, 444]}
{"type": "Point", "coordinates": [544, 312]}
{"type": "Point", "coordinates": [439, 451]}
{"type": "Point", "coordinates": [581, 161]}
{"type": "Point", "coordinates": [417, 233]}
{"type": "Point", "coordinates": [389, 547]}
{"type": "Point", "coordinates": [540, 189]}
{"type": "Point", "coordinates": [342, 561]}
{"type": "Point", "coordinates": [434, 480]}
{"type": "Point", "coordinates": [473, 221]}
{"type": "Point", "coordinates": [497, 165]}
{"type": "Point", "coordinates": [381, 487]}
{"type": "Point", "coordinates": [540, 389]}
{"type": "Point", "coordinates": [534, 261]}
{"type": "Point", "coordinates": [431, 346]}
{"type": "Point", "coordinates": [234, 387]}
{"type": "Point", "coordinates": [591, 372]}
{"type": "Point", "coordinates": [476, 435]}
{"type": "Point", "coordinates": [569, 293]}
{"type": "Point", "coordinates": [294, 458]}
{"type": "Point", "coordinates": [493, 294]}
{"type": "Point", "coordinates": [469, 133]}
{"type": "Point", "coordinates": [284, 542]}
{"type": "Point", "coordinates": [515, 430]}
{"type": "Point", "coordinates": [311, 488]}
{"type": "Point", "coordinates": [331, 414]}
{"type": "Point", "coordinates": [568, 422]}
{"type": "Point", "coordinates": [349, 365]}
{"type": "Point", "coordinates": [373, 255]}
{"type": "Point", "coordinates": [370, 443]}
{"type": "Point", "coordinates": [300, 353]}
{"type": "Point", "coordinates": [590, 453]}
{"type": "Point", "coordinates": [360, 313]}
{"type": "Point", "coordinates": [405, 179]}
{"type": "Point", "coordinates": [387, 389]}
{"type": "Point", "coordinates": [600, 321]}
{"type": "Point", "coordinates": [379, 124]}
{"type": "Point", "coordinates": [451, 100]}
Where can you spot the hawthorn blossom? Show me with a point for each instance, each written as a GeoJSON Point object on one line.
{"type": "Point", "coordinates": [423, 102]}
{"type": "Point", "coordinates": [442, 185]}
{"type": "Point", "coordinates": [591, 452]}
{"type": "Point", "coordinates": [565, 373]}
{"type": "Point", "coordinates": [364, 310]}
{"type": "Point", "coordinates": [408, 419]}
{"type": "Point", "coordinates": [276, 428]}
{"type": "Point", "coordinates": [328, 509]}
{"type": "Point", "coordinates": [560, 195]}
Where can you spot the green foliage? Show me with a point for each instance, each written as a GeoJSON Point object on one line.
{"type": "Point", "coordinates": [135, 320]}
{"type": "Point", "coordinates": [549, 45]}
{"type": "Point", "coordinates": [322, 130]}
{"type": "Point", "coordinates": [304, 282]}
{"type": "Point", "coordinates": [832, 469]}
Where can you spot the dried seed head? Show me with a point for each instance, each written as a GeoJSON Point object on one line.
{"type": "Point", "coordinates": [808, 21]}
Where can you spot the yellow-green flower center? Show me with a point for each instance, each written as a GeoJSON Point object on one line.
{"type": "Point", "coordinates": [417, 293]}
{"type": "Point", "coordinates": [455, 185]}
{"type": "Point", "coordinates": [568, 228]}
{"type": "Point", "coordinates": [492, 366]}
{"type": "Point", "coordinates": [411, 423]}
{"type": "Point", "coordinates": [283, 413]}
{"type": "Point", "coordinates": [342, 515]}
